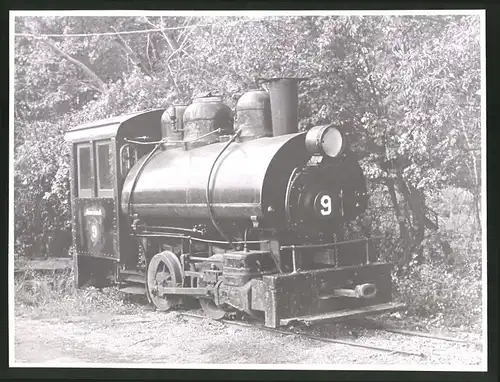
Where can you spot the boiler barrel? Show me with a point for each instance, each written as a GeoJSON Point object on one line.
{"type": "Point", "coordinates": [248, 178]}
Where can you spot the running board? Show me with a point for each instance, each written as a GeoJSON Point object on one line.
{"type": "Point", "coordinates": [347, 313]}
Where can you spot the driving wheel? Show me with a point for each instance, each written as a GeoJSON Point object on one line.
{"type": "Point", "coordinates": [208, 305]}
{"type": "Point", "coordinates": [164, 270]}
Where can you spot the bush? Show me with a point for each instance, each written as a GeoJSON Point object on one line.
{"type": "Point", "coordinates": [41, 188]}
{"type": "Point", "coordinates": [446, 290]}
{"type": "Point", "coordinates": [443, 297]}
{"type": "Point", "coordinates": [46, 296]}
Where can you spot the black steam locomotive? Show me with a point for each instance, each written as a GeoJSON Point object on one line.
{"type": "Point", "coordinates": [240, 213]}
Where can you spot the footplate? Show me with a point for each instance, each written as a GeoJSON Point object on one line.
{"type": "Point", "coordinates": [346, 313]}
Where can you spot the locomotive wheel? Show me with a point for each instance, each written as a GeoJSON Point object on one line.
{"type": "Point", "coordinates": [208, 305]}
{"type": "Point", "coordinates": [211, 310]}
{"type": "Point", "coordinates": [164, 270]}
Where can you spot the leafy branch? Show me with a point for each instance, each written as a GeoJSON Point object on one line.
{"type": "Point", "coordinates": [100, 85]}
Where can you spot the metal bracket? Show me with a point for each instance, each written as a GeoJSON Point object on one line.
{"type": "Point", "coordinates": [315, 160]}
{"type": "Point", "coordinates": [255, 221]}
{"type": "Point", "coordinates": [295, 258]}
{"type": "Point", "coordinates": [135, 221]}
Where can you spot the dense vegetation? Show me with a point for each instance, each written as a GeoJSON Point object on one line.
{"type": "Point", "coordinates": [404, 88]}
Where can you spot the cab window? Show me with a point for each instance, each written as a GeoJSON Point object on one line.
{"type": "Point", "coordinates": [85, 171]}
{"type": "Point", "coordinates": [104, 166]}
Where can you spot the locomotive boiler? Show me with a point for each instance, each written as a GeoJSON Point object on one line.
{"type": "Point", "coordinates": [242, 213]}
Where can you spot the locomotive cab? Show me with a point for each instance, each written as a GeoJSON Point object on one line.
{"type": "Point", "coordinates": [101, 157]}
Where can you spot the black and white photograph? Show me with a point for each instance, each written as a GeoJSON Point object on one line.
{"type": "Point", "coordinates": [289, 190]}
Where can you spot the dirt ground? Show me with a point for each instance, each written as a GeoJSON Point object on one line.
{"type": "Point", "coordinates": [172, 339]}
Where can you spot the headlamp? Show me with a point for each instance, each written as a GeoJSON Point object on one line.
{"type": "Point", "coordinates": [325, 140]}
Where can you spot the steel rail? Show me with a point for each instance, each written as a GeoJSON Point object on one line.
{"type": "Point", "coordinates": [429, 335]}
{"type": "Point", "coordinates": [372, 324]}
{"type": "Point", "coordinates": [311, 337]}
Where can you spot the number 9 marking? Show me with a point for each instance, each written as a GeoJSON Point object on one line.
{"type": "Point", "coordinates": [326, 203]}
{"type": "Point", "coordinates": [93, 231]}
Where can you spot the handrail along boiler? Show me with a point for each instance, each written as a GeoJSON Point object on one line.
{"type": "Point", "coordinates": [241, 214]}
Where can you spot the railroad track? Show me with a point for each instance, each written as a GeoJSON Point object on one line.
{"type": "Point", "coordinates": [359, 323]}
{"type": "Point", "coordinates": [371, 324]}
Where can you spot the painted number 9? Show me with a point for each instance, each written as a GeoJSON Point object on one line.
{"type": "Point", "coordinates": [94, 232]}
{"type": "Point", "coordinates": [326, 204]}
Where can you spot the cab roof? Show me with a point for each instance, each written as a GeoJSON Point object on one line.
{"type": "Point", "coordinates": [112, 127]}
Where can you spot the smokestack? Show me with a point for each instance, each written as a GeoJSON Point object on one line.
{"type": "Point", "coordinates": [284, 97]}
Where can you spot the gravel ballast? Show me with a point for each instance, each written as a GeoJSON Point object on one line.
{"type": "Point", "coordinates": [171, 338]}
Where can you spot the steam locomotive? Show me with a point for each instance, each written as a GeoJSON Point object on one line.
{"type": "Point", "coordinates": [241, 214]}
